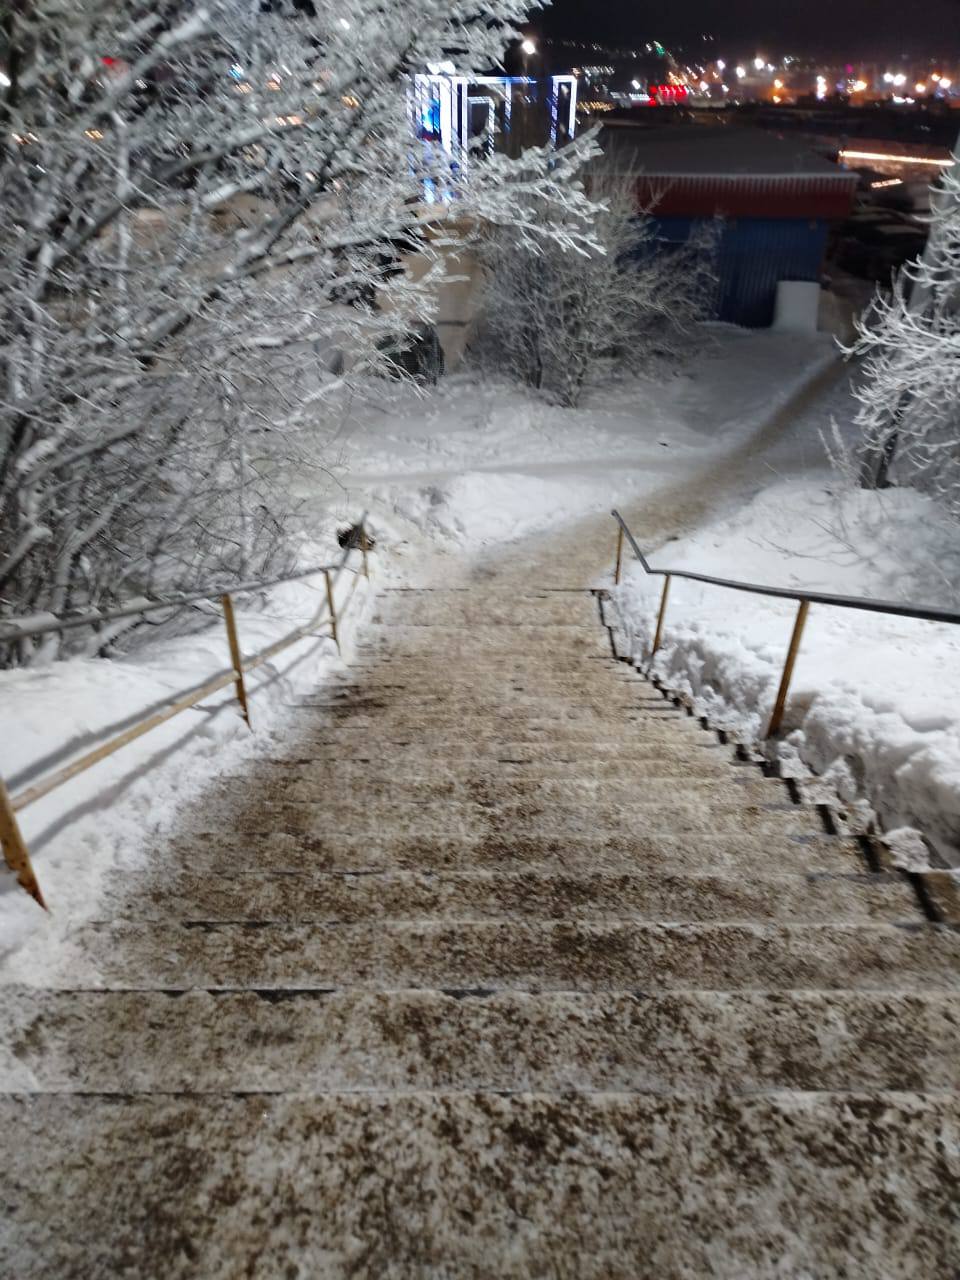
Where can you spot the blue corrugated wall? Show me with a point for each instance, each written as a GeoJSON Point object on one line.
{"type": "Point", "coordinates": [754, 253]}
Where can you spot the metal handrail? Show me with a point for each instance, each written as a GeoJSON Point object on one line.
{"type": "Point", "coordinates": [11, 629]}
{"type": "Point", "coordinates": [923, 613]}
{"type": "Point", "coordinates": [804, 600]}
{"type": "Point", "coordinates": [13, 845]}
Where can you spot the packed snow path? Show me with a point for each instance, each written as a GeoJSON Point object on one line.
{"type": "Point", "coordinates": [496, 964]}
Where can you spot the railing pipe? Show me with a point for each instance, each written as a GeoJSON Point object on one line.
{"type": "Point", "coordinates": [12, 630]}
{"type": "Point", "coordinates": [804, 601]}
{"type": "Point", "coordinates": [236, 657]}
{"type": "Point", "coordinates": [619, 565]}
{"type": "Point", "coordinates": [776, 719]}
{"type": "Point", "coordinates": [333, 609]}
{"type": "Point", "coordinates": [661, 615]}
{"type": "Point", "coordinates": [15, 849]}
{"type": "Point", "coordinates": [920, 612]}
{"type": "Point", "coordinates": [12, 843]}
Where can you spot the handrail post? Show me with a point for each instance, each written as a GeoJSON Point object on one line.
{"type": "Point", "coordinates": [779, 706]}
{"type": "Point", "coordinates": [616, 572]}
{"type": "Point", "coordinates": [15, 852]}
{"type": "Point", "coordinates": [363, 552]}
{"type": "Point", "coordinates": [333, 610]}
{"type": "Point", "coordinates": [662, 614]}
{"type": "Point", "coordinates": [236, 658]}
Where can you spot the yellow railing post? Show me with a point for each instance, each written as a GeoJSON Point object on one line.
{"type": "Point", "coordinates": [333, 610]}
{"type": "Point", "coordinates": [616, 572]}
{"type": "Point", "coordinates": [779, 706]}
{"type": "Point", "coordinates": [15, 851]}
{"type": "Point", "coordinates": [236, 658]}
{"type": "Point", "coordinates": [363, 551]}
{"type": "Point", "coordinates": [661, 615]}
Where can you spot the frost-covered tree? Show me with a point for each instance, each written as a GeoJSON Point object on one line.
{"type": "Point", "coordinates": [555, 319]}
{"type": "Point", "coordinates": [206, 209]}
{"type": "Point", "coordinates": [908, 416]}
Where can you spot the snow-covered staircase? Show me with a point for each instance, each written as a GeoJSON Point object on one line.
{"type": "Point", "coordinates": [497, 964]}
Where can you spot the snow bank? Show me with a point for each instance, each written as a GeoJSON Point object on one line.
{"type": "Point", "coordinates": [875, 702]}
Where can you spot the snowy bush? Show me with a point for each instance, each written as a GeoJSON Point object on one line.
{"type": "Point", "coordinates": [206, 209]}
{"type": "Point", "coordinates": [555, 317]}
{"type": "Point", "coordinates": [908, 419]}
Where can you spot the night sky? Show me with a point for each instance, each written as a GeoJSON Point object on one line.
{"type": "Point", "coordinates": [847, 27]}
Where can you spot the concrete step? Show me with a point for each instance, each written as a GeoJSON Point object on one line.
{"type": "Point", "coordinates": [312, 783]}
{"type": "Point", "coordinates": [566, 611]}
{"type": "Point", "coordinates": [561, 743]}
{"type": "Point", "coordinates": [482, 718]}
{"type": "Point", "coordinates": [409, 765]}
{"type": "Point", "coordinates": [312, 1043]}
{"type": "Point", "coordinates": [493, 693]}
{"type": "Point", "coordinates": [463, 642]}
{"type": "Point", "coordinates": [538, 956]}
{"type": "Point", "coordinates": [508, 820]}
{"type": "Point", "coordinates": [385, 749]}
{"type": "Point", "coordinates": [224, 849]}
{"type": "Point", "coordinates": [607, 1185]}
{"type": "Point", "coordinates": [308, 726]}
{"type": "Point", "coordinates": [423, 667]}
{"type": "Point", "coordinates": [943, 889]}
{"type": "Point", "coordinates": [481, 895]}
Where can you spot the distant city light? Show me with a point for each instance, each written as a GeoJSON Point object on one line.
{"type": "Point", "coordinates": [721, 65]}
{"type": "Point", "coordinates": [920, 87]}
{"type": "Point", "coordinates": [758, 64]}
{"type": "Point", "coordinates": [741, 72]}
{"type": "Point", "coordinates": [528, 47]}
{"type": "Point", "coordinates": [858, 86]}
{"type": "Point", "coordinates": [778, 84]}
{"type": "Point", "coordinates": [821, 87]}
{"type": "Point", "coordinates": [945, 82]}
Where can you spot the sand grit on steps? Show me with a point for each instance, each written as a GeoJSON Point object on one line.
{"type": "Point", "coordinates": [494, 964]}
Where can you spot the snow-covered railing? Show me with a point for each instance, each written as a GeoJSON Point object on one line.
{"type": "Point", "coordinates": [804, 600]}
{"type": "Point", "coordinates": [15, 852]}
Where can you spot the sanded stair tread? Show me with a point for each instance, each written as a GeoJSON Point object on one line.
{"type": "Point", "coordinates": [494, 894]}
{"type": "Point", "coordinates": [607, 1185]}
{"type": "Point", "coordinates": [321, 1042]}
{"type": "Point", "coordinates": [225, 848]}
{"type": "Point", "coordinates": [528, 955]}
{"type": "Point", "coordinates": [313, 783]}
{"type": "Point", "coordinates": [352, 770]}
{"type": "Point", "coordinates": [357, 816]}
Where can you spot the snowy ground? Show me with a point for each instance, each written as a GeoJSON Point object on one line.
{"type": "Point", "coordinates": [475, 464]}
{"type": "Point", "coordinates": [451, 475]}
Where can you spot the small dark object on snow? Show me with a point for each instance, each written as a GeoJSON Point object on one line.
{"type": "Point", "coordinates": [418, 356]}
{"type": "Point", "coordinates": [351, 537]}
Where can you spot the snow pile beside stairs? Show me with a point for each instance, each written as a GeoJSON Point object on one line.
{"type": "Point", "coordinates": [875, 700]}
